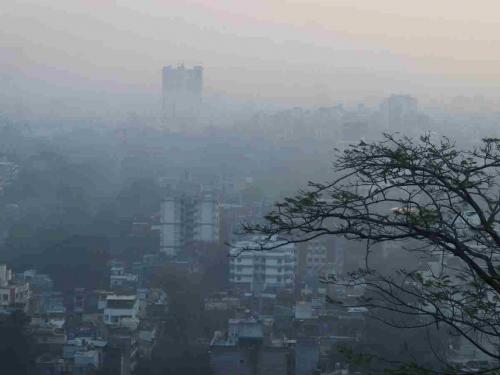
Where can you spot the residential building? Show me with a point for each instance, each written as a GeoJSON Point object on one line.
{"type": "Point", "coordinates": [249, 349]}
{"type": "Point", "coordinates": [84, 355]}
{"type": "Point", "coordinates": [51, 304]}
{"type": "Point", "coordinates": [48, 335]}
{"type": "Point", "coordinates": [256, 270]}
{"type": "Point", "coordinates": [121, 310]}
{"type": "Point", "coordinates": [37, 281]}
{"type": "Point", "coordinates": [13, 293]}
{"type": "Point", "coordinates": [119, 279]}
{"type": "Point", "coordinates": [187, 218]}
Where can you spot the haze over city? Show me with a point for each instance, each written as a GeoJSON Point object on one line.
{"type": "Point", "coordinates": [289, 52]}
{"type": "Point", "coordinates": [215, 187]}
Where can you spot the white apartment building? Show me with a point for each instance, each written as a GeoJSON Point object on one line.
{"type": "Point", "coordinates": [258, 270]}
{"type": "Point", "coordinates": [188, 218]}
{"type": "Point", "coordinates": [121, 311]}
{"type": "Point", "coordinates": [12, 292]}
{"type": "Point", "coordinates": [120, 279]}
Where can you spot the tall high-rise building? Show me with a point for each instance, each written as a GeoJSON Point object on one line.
{"type": "Point", "coordinates": [187, 219]}
{"type": "Point", "coordinates": [182, 90]}
{"type": "Point", "coordinates": [398, 110]}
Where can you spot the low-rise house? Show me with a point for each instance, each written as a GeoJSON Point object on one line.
{"type": "Point", "coordinates": [221, 302]}
{"type": "Point", "coordinates": [48, 336]}
{"type": "Point", "coordinates": [38, 282]}
{"type": "Point", "coordinates": [84, 356]}
{"type": "Point", "coordinates": [248, 348]}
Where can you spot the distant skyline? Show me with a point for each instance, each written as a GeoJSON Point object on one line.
{"type": "Point", "coordinates": [299, 52]}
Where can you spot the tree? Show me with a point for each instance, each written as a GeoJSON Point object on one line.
{"type": "Point", "coordinates": [431, 199]}
{"type": "Point", "coordinates": [15, 347]}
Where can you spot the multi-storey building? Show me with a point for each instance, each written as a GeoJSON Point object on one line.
{"type": "Point", "coordinates": [121, 280]}
{"type": "Point", "coordinates": [182, 90]}
{"type": "Point", "coordinates": [186, 219]}
{"type": "Point", "coordinates": [248, 348]}
{"type": "Point", "coordinates": [13, 293]}
{"type": "Point", "coordinates": [256, 270]}
{"type": "Point", "coordinates": [401, 112]}
{"type": "Point", "coordinates": [121, 311]}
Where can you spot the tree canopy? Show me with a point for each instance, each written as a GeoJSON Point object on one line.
{"type": "Point", "coordinates": [431, 199]}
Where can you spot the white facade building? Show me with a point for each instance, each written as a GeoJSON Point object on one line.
{"type": "Point", "coordinates": [187, 218]}
{"type": "Point", "coordinates": [121, 311]}
{"type": "Point", "coordinates": [120, 279]}
{"type": "Point", "coordinates": [258, 270]}
{"type": "Point", "coordinates": [12, 292]}
{"type": "Point", "coordinates": [207, 220]}
{"type": "Point", "coordinates": [182, 89]}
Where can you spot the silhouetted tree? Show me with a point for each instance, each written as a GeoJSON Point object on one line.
{"type": "Point", "coordinates": [15, 348]}
{"type": "Point", "coordinates": [438, 203]}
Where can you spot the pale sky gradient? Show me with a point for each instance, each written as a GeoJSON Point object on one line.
{"type": "Point", "coordinates": [303, 51]}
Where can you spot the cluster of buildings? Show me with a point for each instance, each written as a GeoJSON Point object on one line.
{"type": "Point", "coordinates": [340, 125]}
{"type": "Point", "coordinates": [86, 332]}
{"type": "Point", "coordinates": [278, 317]}
{"type": "Point", "coordinates": [279, 328]}
{"type": "Point", "coordinates": [272, 315]}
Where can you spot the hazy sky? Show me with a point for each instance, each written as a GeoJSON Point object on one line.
{"type": "Point", "coordinates": [308, 51]}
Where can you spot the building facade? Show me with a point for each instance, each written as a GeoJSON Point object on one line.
{"type": "Point", "coordinates": [182, 90]}
{"type": "Point", "coordinates": [13, 293]}
{"type": "Point", "coordinates": [121, 311]}
{"type": "Point", "coordinates": [258, 270]}
{"type": "Point", "coordinates": [186, 219]}
{"type": "Point", "coordinates": [247, 349]}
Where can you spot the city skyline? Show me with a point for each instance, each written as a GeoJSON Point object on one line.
{"type": "Point", "coordinates": [309, 53]}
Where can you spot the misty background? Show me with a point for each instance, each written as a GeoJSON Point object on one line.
{"type": "Point", "coordinates": [104, 57]}
{"type": "Point", "coordinates": [89, 151]}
